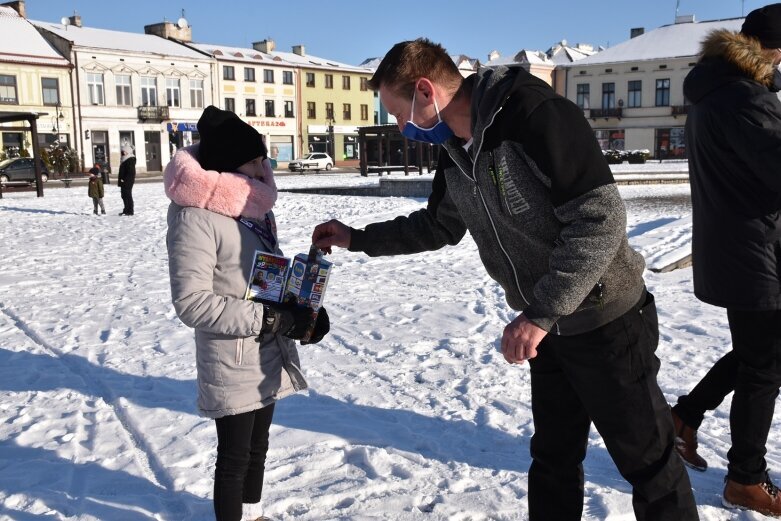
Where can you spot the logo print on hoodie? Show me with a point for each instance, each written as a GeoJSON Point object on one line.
{"type": "Point", "coordinates": [514, 200]}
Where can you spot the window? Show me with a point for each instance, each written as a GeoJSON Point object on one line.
{"type": "Point", "coordinates": [364, 84]}
{"type": "Point", "coordinates": [172, 92]}
{"type": "Point", "coordinates": [663, 93]}
{"type": "Point", "coordinates": [288, 109]}
{"type": "Point", "coordinates": [230, 104]}
{"type": "Point", "coordinates": [310, 79]}
{"type": "Point", "coordinates": [148, 91]}
{"type": "Point", "coordinates": [249, 105]}
{"type": "Point", "coordinates": [364, 112]}
{"type": "Point", "coordinates": [608, 95]}
{"type": "Point", "coordinates": [122, 82]}
{"type": "Point", "coordinates": [329, 111]}
{"type": "Point", "coordinates": [311, 112]}
{"type": "Point", "coordinates": [612, 139]}
{"type": "Point", "coordinates": [51, 91]}
{"type": "Point", "coordinates": [228, 72]}
{"type": "Point", "coordinates": [329, 81]}
{"type": "Point", "coordinates": [249, 74]}
{"type": "Point", "coordinates": [94, 87]}
{"type": "Point", "coordinates": [670, 143]}
{"type": "Point", "coordinates": [584, 95]}
{"type": "Point", "coordinates": [635, 94]}
{"type": "Point", "coordinates": [345, 82]}
{"type": "Point", "coordinates": [196, 94]}
{"type": "Point", "coordinates": [287, 77]}
{"type": "Point", "coordinates": [268, 76]}
{"type": "Point", "coordinates": [346, 112]}
{"type": "Point", "coordinates": [270, 112]}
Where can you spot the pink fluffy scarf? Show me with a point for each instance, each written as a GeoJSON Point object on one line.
{"type": "Point", "coordinates": [188, 184]}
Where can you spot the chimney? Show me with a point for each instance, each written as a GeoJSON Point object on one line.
{"type": "Point", "coordinates": [266, 46]}
{"type": "Point", "coordinates": [493, 55]}
{"type": "Point", "coordinates": [685, 19]}
{"type": "Point", "coordinates": [17, 6]}
{"type": "Point", "coordinates": [180, 31]}
{"type": "Point", "coordinates": [75, 20]}
{"type": "Point", "coordinates": [299, 50]}
{"type": "Point", "coordinates": [636, 31]}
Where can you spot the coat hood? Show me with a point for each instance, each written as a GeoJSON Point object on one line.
{"type": "Point", "coordinates": [727, 57]}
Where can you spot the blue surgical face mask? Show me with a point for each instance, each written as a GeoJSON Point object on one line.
{"type": "Point", "coordinates": [436, 135]}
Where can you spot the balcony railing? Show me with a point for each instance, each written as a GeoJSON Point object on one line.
{"type": "Point", "coordinates": [606, 113]}
{"type": "Point", "coordinates": [152, 113]}
{"type": "Point", "coordinates": [678, 110]}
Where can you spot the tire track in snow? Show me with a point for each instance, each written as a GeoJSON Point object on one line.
{"type": "Point", "coordinates": [152, 469]}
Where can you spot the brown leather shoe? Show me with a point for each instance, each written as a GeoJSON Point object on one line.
{"type": "Point", "coordinates": [762, 497]}
{"type": "Point", "coordinates": [686, 444]}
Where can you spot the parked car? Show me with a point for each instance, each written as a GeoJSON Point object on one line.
{"type": "Point", "coordinates": [20, 169]}
{"type": "Point", "coordinates": [315, 161]}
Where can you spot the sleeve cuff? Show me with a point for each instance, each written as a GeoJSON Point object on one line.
{"type": "Point", "coordinates": [357, 240]}
{"type": "Point", "coordinates": [545, 323]}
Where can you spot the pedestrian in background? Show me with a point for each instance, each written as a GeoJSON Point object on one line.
{"type": "Point", "coordinates": [126, 178]}
{"type": "Point", "coordinates": [95, 191]}
{"type": "Point", "coordinates": [733, 136]}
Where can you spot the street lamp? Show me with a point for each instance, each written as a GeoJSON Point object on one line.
{"type": "Point", "coordinates": [56, 120]}
{"type": "Point", "coordinates": [330, 144]}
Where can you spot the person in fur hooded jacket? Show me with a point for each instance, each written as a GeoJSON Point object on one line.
{"type": "Point", "coordinates": [733, 136]}
{"type": "Point", "coordinates": [222, 191]}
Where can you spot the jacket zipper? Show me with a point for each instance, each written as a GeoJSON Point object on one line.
{"type": "Point", "coordinates": [239, 351]}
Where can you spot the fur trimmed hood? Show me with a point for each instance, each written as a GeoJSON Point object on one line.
{"type": "Point", "coordinates": [234, 195]}
{"type": "Point", "coordinates": [744, 52]}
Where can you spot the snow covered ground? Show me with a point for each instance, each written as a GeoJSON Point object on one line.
{"type": "Point", "coordinates": [412, 414]}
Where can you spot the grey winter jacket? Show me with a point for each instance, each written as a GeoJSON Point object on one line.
{"type": "Point", "coordinates": [210, 260]}
{"type": "Point", "coordinates": [539, 200]}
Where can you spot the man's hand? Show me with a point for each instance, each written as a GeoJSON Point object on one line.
{"type": "Point", "coordinates": [520, 340]}
{"type": "Point", "coordinates": [331, 233]}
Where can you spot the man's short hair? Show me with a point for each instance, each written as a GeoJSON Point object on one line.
{"type": "Point", "coordinates": [409, 61]}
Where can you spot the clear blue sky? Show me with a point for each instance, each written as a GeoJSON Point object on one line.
{"type": "Point", "coordinates": [350, 31]}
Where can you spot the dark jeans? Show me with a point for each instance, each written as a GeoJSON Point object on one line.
{"type": "Point", "coordinates": [242, 443]}
{"type": "Point", "coordinates": [606, 376]}
{"type": "Point", "coordinates": [127, 199]}
{"type": "Point", "coordinates": [709, 392]}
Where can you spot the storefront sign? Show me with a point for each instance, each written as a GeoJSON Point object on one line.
{"type": "Point", "coordinates": [181, 127]}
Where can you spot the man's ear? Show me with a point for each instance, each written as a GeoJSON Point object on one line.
{"type": "Point", "coordinates": [425, 90]}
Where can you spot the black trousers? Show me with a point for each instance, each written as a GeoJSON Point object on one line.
{"type": "Point", "coordinates": [709, 392]}
{"type": "Point", "coordinates": [127, 199]}
{"type": "Point", "coordinates": [242, 444]}
{"type": "Point", "coordinates": [608, 377]}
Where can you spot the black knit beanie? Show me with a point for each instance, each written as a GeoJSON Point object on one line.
{"type": "Point", "coordinates": [764, 24]}
{"type": "Point", "coordinates": [227, 142]}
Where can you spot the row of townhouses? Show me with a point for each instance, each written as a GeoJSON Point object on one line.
{"type": "Point", "coordinates": [97, 89]}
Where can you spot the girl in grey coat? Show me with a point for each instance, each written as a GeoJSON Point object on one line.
{"type": "Point", "coordinates": [245, 351]}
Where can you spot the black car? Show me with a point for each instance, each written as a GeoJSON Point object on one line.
{"type": "Point", "coordinates": [20, 169]}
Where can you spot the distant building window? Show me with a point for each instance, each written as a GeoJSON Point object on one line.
{"type": "Point", "coordinates": [249, 105]}
{"type": "Point", "coordinates": [230, 104]}
{"type": "Point", "coordinates": [329, 81]}
{"type": "Point", "coordinates": [288, 109]}
{"type": "Point", "coordinates": [51, 91]}
{"type": "Point", "coordinates": [329, 111]}
{"type": "Point", "coordinates": [583, 96]}
{"type": "Point", "coordinates": [228, 72]}
{"type": "Point", "coordinates": [148, 91]}
{"type": "Point", "coordinates": [287, 77]}
{"type": "Point", "coordinates": [663, 93]}
{"type": "Point", "coordinates": [311, 112]}
{"type": "Point", "coordinates": [94, 87]}
{"type": "Point", "coordinates": [364, 112]}
{"type": "Point", "coordinates": [635, 94]}
{"type": "Point", "coordinates": [608, 95]}
{"type": "Point", "coordinates": [364, 84]}
{"type": "Point", "coordinates": [270, 111]}
{"type": "Point", "coordinates": [249, 74]}
{"type": "Point", "coordinates": [268, 76]}
{"type": "Point", "coordinates": [8, 89]}
{"type": "Point", "coordinates": [124, 97]}
{"type": "Point", "coordinates": [347, 112]}
{"type": "Point", "coordinates": [345, 82]}
{"type": "Point", "coordinates": [173, 92]}
{"type": "Point", "coordinates": [196, 94]}
{"type": "Point", "coordinates": [310, 79]}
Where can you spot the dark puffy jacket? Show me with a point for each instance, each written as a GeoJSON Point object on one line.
{"type": "Point", "coordinates": [127, 172]}
{"type": "Point", "coordinates": [733, 135]}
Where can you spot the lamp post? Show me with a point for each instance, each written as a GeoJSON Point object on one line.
{"type": "Point", "coordinates": [59, 117]}
{"type": "Point", "coordinates": [330, 144]}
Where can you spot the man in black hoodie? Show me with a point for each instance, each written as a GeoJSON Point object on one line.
{"type": "Point", "coordinates": [522, 172]}
{"type": "Point", "coordinates": [733, 135]}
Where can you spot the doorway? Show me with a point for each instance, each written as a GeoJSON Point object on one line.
{"type": "Point", "coordinates": [154, 162]}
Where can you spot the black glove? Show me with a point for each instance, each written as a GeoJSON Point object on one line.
{"type": "Point", "coordinates": [322, 327]}
{"type": "Point", "coordinates": [286, 319]}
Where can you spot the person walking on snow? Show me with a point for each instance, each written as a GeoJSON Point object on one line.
{"type": "Point", "coordinates": [95, 191]}
{"type": "Point", "coordinates": [126, 179]}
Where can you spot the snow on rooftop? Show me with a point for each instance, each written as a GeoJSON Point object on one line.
{"type": "Point", "coordinates": [242, 54]}
{"type": "Point", "coordinates": [22, 43]}
{"type": "Point", "coordinates": [668, 41]}
{"type": "Point", "coordinates": [316, 62]}
{"type": "Point", "coordinates": [119, 40]}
